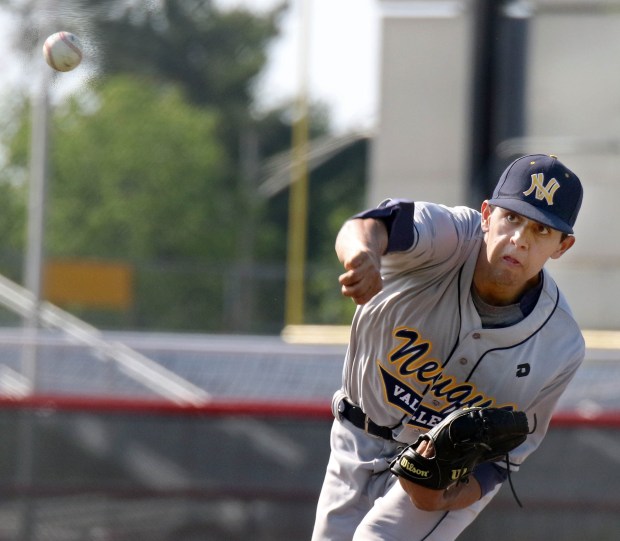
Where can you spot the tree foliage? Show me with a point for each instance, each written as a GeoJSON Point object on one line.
{"type": "Point", "coordinates": [140, 177]}
{"type": "Point", "coordinates": [213, 54]}
{"type": "Point", "coordinates": [150, 164]}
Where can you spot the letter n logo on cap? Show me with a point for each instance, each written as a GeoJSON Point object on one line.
{"type": "Point", "coordinates": [543, 192]}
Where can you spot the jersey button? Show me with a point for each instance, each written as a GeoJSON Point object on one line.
{"type": "Point", "coordinates": [463, 361]}
{"type": "Point", "coordinates": [476, 336]}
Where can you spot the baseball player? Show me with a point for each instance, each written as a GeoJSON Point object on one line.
{"type": "Point", "coordinates": [455, 309]}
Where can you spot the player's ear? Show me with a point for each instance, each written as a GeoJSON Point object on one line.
{"type": "Point", "coordinates": [486, 211]}
{"type": "Point", "coordinates": [565, 245]}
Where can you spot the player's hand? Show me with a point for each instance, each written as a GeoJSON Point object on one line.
{"type": "Point", "coordinates": [424, 498]}
{"type": "Point", "coordinates": [359, 246]}
{"type": "Point", "coordinates": [457, 496]}
{"type": "Point", "coordinates": [362, 279]}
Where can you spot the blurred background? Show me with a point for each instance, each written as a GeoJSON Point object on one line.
{"type": "Point", "coordinates": [171, 327]}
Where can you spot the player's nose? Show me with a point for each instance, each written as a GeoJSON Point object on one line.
{"type": "Point", "coordinates": [520, 237]}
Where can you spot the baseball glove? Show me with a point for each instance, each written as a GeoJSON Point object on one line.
{"type": "Point", "coordinates": [462, 440]}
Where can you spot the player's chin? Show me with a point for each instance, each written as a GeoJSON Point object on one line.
{"type": "Point", "coordinates": [508, 277]}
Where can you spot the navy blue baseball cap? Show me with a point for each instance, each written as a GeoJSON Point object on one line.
{"type": "Point", "coordinates": [541, 188]}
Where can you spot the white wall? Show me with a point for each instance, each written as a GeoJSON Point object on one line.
{"type": "Point", "coordinates": [573, 111]}
{"type": "Point", "coordinates": [574, 104]}
{"type": "Point", "coordinates": [419, 151]}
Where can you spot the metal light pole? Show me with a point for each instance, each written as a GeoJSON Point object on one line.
{"type": "Point", "coordinates": [33, 272]}
{"type": "Point", "coordinates": [37, 203]}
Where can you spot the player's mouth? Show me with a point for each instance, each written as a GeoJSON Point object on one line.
{"type": "Point", "coordinates": [513, 262]}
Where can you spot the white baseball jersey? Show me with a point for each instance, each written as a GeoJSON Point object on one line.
{"type": "Point", "coordinates": [418, 350]}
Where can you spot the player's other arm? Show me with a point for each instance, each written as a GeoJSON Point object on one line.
{"type": "Point", "coordinates": [359, 247]}
{"type": "Point", "coordinates": [457, 496]}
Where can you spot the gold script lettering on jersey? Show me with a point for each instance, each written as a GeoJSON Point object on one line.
{"type": "Point", "coordinates": [417, 375]}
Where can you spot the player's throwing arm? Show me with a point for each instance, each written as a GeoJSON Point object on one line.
{"type": "Point", "coordinates": [359, 246]}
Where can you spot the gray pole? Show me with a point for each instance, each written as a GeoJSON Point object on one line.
{"type": "Point", "coordinates": [33, 273]}
{"type": "Point", "coordinates": [37, 189]}
{"type": "Point", "coordinates": [37, 202]}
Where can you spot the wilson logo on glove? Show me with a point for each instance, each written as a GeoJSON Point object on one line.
{"type": "Point", "coordinates": [411, 469]}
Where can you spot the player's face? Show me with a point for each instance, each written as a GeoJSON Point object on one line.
{"type": "Point", "coordinates": [516, 249]}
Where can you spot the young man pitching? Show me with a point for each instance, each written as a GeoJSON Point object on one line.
{"type": "Point", "coordinates": [455, 310]}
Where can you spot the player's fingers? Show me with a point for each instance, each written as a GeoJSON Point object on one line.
{"type": "Point", "coordinates": [359, 259]}
{"type": "Point", "coordinates": [350, 278]}
{"type": "Point", "coordinates": [426, 449]}
{"type": "Point", "coordinates": [363, 261]}
{"type": "Point", "coordinates": [362, 291]}
{"type": "Point", "coordinates": [363, 299]}
{"type": "Point", "coordinates": [364, 273]}
{"type": "Point", "coordinates": [362, 279]}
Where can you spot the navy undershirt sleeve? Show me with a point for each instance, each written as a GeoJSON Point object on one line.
{"type": "Point", "coordinates": [489, 475]}
{"type": "Point", "coordinates": [397, 215]}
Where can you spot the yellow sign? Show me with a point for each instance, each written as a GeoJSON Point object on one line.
{"type": "Point", "coordinates": [89, 283]}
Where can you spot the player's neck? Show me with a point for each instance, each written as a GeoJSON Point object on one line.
{"type": "Point", "coordinates": [499, 294]}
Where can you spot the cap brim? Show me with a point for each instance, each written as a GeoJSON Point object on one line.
{"type": "Point", "coordinates": [533, 213]}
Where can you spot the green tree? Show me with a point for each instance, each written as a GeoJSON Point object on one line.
{"type": "Point", "coordinates": [12, 186]}
{"type": "Point", "coordinates": [142, 176]}
{"type": "Point", "coordinates": [213, 54]}
{"type": "Point", "coordinates": [158, 163]}
{"type": "Point", "coordinates": [138, 174]}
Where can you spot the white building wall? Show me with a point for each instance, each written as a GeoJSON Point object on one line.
{"type": "Point", "coordinates": [421, 142]}
{"type": "Point", "coordinates": [573, 111]}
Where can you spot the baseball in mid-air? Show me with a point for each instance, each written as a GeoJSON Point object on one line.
{"type": "Point", "coordinates": [62, 51]}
